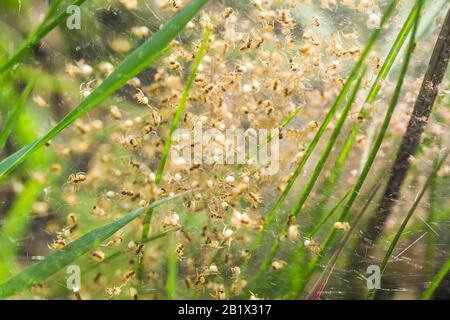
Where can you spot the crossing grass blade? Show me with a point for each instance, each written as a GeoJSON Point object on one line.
{"type": "Point", "coordinates": [375, 147]}
{"type": "Point", "coordinates": [134, 63]}
{"type": "Point", "coordinates": [325, 219]}
{"type": "Point", "coordinates": [314, 176]}
{"type": "Point", "coordinates": [202, 50]}
{"type": "Point", "coordinates": [283, 124]}
{"type": "Point", "coordinates": [331, 181]}
{"type": "Point", "coordinates": [15, 224]}
{"type": "Point", "coordinates": [172, 267]}
{"type": "Point", "coordinates": [183, 101]}
{"type": "Point", "coordinates": [326, 274]}
{"type": "Point", "coordinates": [373, 292]}
{"type": "Point", "coordinates": [431, 236]}
{"type": "Point", "coordinates": [118, 253]}
{"type": "Point", "coordinates": [436, 281]}
{"type": "Point", "coordinates": [18, 216]}
{"type": "Point", "coordinates": [311, 147]}
{"type": "Point", "coordinates": [268, 139]}
{"type": "Point", "coordinates": [50, 12]}
{"type": "Point", "coordinates": [172, 256]}
{"type": "Point", "coordinates": [177, 117]}
{"type": "Point", "coordinates": [14, 113]}
{"type": "Point", "coordinates": [59, 259]}
{"type": "Point", "coordinates": [172, 262]}
{"type": "Point", "coordinates": [294, 262]}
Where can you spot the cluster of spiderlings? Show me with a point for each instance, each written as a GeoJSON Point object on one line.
{"type": "Point", "coordinates": [260, 65]}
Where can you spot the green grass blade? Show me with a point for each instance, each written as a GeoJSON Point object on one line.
{"type": "Point", "coordinates": [134, 63]}
{"type": "Point", "coordinates": [416, 226]}
{"type": "Point", "coordinates": [177, 118]}
{"type": "Point", "coordinates": [390, 58]}
{"type": "Point", "coordinates": [16, 221]}
{"type": "Point", "coordinates": [269, 138]}
{"type": "Point", "coordinates": [373, 293]}
{"type": "Point", "coordinates": [375, 147]}
{"type": "Point", "coordinates": [324, 125]}
{"type": "Point", "coordinates": [436, 281]}
{"type": "Point", "coordinates": [172, 261]}
{"type": "Point", "coordinates": [331, 181]}
{"type": "Point", "coordinates": [295, 288]}
{"type": "Point", "coordinates": [51, 11]}
{"type": "Point", "coordinates": [431, 236]}
{"type": "Point", "coordinates": [59, 259]}
{"type": "Point", "coordinates": [325, 219]}
{"type": "Point", "coordinates": [326, 274]}
{"type": "Point", "coordinates": [313, 178]}
{"type": "Point", "coordinates": [118, 253]}
{"type": "Point", "coordinates": [183, 101]}
{"type": "Point", "coordinates": [294, 259]}
{"type": "Point", "coordinates": [13, 114]}
{"type": "Point", "coordinates": [41, 31]}
{"type": "Point", "coordinates": [283, 124]}
{"type": "Point", "coordinates": [326, 152]}
{"type": "Point", "coordinates": [289, 118]}
{"type": "Point", "coordinates": [15, 225]}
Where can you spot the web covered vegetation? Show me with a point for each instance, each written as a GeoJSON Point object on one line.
{"type": "Point", "coordinates": [88, 122]}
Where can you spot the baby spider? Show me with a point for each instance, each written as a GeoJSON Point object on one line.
{"type": "Point", "coordinates": [141, 98]}
{"type": "Point", "coordinates": [129, 4]}
{"type": "Point", "coordinates": [72, 220]}
{"type": "Point", "coordinates": [176, 4]}
{"type": "Point", "coordinates": [227, 236]}
{"type": "Point", "coordinates": [174, 65]}
{"type": "Point", "coordinates": [277, 265]}
{"type": "Point", "coordinates": [255, 199]}
{"type": "Point", "coordinates": [200, 281]}
{"type": "Point", "coordinates": [219, 295]}
{"type": "Point", "coordinates": [40, 101]}
{"type": "Point", "coordinates": [254, 296]}
{"type": "Point", "coordinates": [180, 251]}
{"type": "Point", "coordinates": [235, 273]}
{"type": "Point", "coordinates": [312, 246]}
{"type": "Point", "coordinates": [114, 291]}
{"type": "Point", "coordinates": [315, 22]}
{"type": "Point", "coordinates": [227, 12]}
{"type": "Point", "coordinates": [293, 232]}
{"type": "Point", "coordinates": [341, 226]}
{"type": "Point", "coordinates": [114, 242]}
{"type": "Point", "coordinates": [128, 276]}
{"type": "Point", "coordinates": [57, 244]}
{"type": "Point", "coordinates": [98, 256]}
{"type": "Point", "coordinates": [76, 178]}
{"type": "Point", "coordinates": [212, 269]}
{"type": "Point", "coordinates": [86, 88]}
{"type": "Point", "coordinates": [132, 142]}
